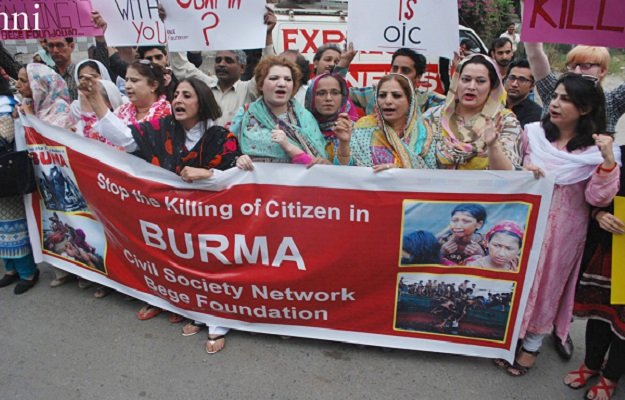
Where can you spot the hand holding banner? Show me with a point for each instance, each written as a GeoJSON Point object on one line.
{"type": "Point", "coordinates": [429, 26]}
{"type": "Point", "coordinates": [214, 25]}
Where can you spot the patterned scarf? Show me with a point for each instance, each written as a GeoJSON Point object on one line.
{"type": "Point", "coordinates": [401, 142]}
{"type": "Point", "coordinates": [462, 143]}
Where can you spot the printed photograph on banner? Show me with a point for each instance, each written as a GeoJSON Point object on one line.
{"type": "Point", "coordinates": [487, 235]}
{"type": "Point", "coordinates": [74, 237]}
{"type": "Point", "coordinates": [459, 305]}
{"type": "Point", "coordinates": [55, 179]}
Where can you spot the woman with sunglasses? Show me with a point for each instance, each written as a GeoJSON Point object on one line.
{"type": "Point", "coordinates": [568, 144]}
{"type": "Point", "coordinates": [586, 60]}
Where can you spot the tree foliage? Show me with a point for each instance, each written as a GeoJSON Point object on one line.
{"type": "Point", "coordinates": [489, 18]}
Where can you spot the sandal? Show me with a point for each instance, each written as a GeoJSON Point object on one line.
{"type": "Point", "coordinates": [191, 328]}
{"type": "Point", "coordinates": [56, 282]}
{"type": "Point", "coordinates": [501, 363]}
{"type": "Point", "coordinates": [212, 344]}
{"type": "Point", "coordinates": [579, 377]}
{"type": "Point", "coordinates": [519, 369]}
{"type": "Point", "coordinates": [147, 312]}
{"type": "Point", "coordinates": [605, 385]}
{"type": "Point", "coordinates": [174, 318]}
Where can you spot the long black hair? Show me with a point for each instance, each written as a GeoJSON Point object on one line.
{"type": "Point", "coordinates": [588, 97]}
{"type": "Point", "coordinates": [207, 105]}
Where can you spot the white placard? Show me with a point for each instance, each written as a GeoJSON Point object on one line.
{"type": "Point", "coordinates": [428, 26]}
{"type": "Point", "coordinates": [215, 24]}
{"type": "Point", "coordinates": [131, 22]}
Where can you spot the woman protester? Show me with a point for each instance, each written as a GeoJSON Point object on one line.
{"type": "Point", "coordinates": [566, 144]}
{"type": "Point", "coordinates": [45, 95]}
{"type": "Point", "coordinates": [395, 136]}
{"type": "Point", "coordinates": [327, 98]}
{"type": "Point", "coordinates": [605, 329]}
{"type": "Point", "coordinates": [476, 130]}
{"type": "Point", "coordinates": [15, 251]}
{"type": "Point", "coordinates": [187, 143]}
{"type": "Point", "coordinates": [80, 108]}
{"type": "Point", "coordinates": [275, 121]}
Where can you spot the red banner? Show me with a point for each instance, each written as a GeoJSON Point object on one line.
{"type": "Point", "coordinates": [332, 252]}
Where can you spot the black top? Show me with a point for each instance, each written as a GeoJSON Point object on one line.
{"type": "Point", "coordinates": [527, 112]}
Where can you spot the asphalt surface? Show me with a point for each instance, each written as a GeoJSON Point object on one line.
{"type": "Point", "coordinates": [63, 343]}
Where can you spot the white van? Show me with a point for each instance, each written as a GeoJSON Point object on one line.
{"type": "Point", "coordinates": [306, 25]}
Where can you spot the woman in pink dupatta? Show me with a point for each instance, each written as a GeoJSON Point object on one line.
{"type": "Point", "coordinates": [565, 144]}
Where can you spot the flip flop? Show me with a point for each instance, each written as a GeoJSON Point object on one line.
{"type": "Point", "coordinates": [191, 328]}
{"type": "Point", "coordinates": [174, 318]}
{"type": "Point", "coordinates": [148, 312]}
{"type": "Point", "coordinates": [211, 342]}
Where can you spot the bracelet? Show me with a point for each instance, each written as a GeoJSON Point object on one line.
{"type": "Point", "coordinates": [600, 168]}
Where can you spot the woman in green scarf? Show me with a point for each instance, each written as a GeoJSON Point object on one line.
{"type": "Point", "coordinates": [276, 128]}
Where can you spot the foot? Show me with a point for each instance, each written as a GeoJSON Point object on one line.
{"type": "Point", "coordinates": [25, 285]}
{"type": "Point", "coordinates": [174, 318]}
{"type": "Point", "coordinates": [8, 279]}
{"type": "Point", "coordinates": [102, 291]}
{"type": "Point", "coordinates": [501, 363]}
{"type": "Point", "coordinates": [215, 344]}
{"type": "Point", "coordinates": [578, 378]}
{"type": "Point", "coordinates": [148, 312]}
{"type": "Point", "coordinates": [523, 363]}
{"type": "Point", "coordinates": [83, 283]}
{"type": "Point", "coordinates": [564, 350]}
{"type": "Point", "coordinates": [602, 390]}
{"type": "Point", "coordinates": [56, 282]}
{"type": "Point", "coordinates": [191, 329]}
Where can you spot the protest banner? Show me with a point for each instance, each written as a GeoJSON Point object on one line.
{"type": "Point", "coordinates": [35, 19]}
{"type": "Point", "coordinates": [428, 26]}
{"type": "Point", "coordinates": [589, 22]}
{"type": "Point", "coordinates": [330, 252]}
{"type": "Point", "coordinates": [617, 295]}
{"type": "Point", "coordinates": [131, 23]}
{"type": "Point", "coordinates": [215, 24]}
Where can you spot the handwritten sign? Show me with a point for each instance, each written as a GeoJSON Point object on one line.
{"type": "Point", "coordinates": [214, 24]}
{"type": "Point", "coordinates": [131, 23]}
{"type": "Point", "coordinates": [618, 256]}
{"type": "Point", "coordinates": [428, 26]}
{"type": "Point", "coordinates": [31, 19]}
{"type": "Point", "coordinates": [591, 22]}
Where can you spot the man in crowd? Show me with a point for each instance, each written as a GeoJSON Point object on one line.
{"type": "Point", "coordinates": [501, 52]}
{"type": "Point", "coordinates": [511, 34]}
{"type": "Point", "coordinates": [61, 50]}
{"type": "Point", "coordinates": [230, 92]}
{"type": "Point", "coordinates": [519, 84]}
{"type": "Point", "coordinates": [410, 64]}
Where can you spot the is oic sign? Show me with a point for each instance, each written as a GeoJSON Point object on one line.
{"type": "Point", "coordinates": [429, 26]}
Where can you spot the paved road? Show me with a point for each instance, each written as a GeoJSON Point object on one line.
{"type": "Point", "coordinates": [63, 343]}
